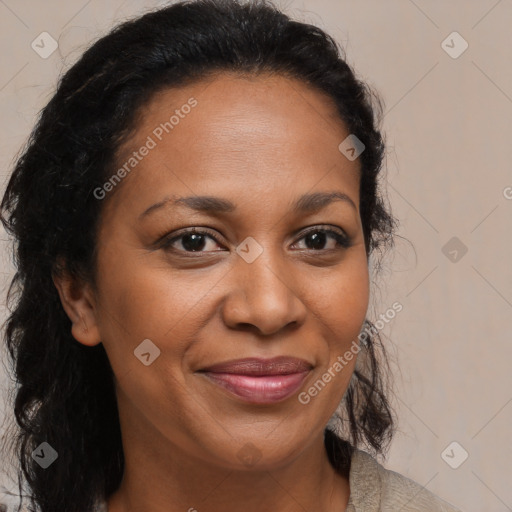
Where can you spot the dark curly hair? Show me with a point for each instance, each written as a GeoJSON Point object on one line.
{"type": "Point", "coordinates": [65, 391]}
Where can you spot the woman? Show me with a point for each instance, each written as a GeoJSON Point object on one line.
{"type": "Point", "coordinates": [194, 217]}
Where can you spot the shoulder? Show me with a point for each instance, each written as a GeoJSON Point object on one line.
{"type": "Point", "coordinates": [374, 488]}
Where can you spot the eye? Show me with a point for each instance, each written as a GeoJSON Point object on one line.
{"type": "Point", "coordinates": [192, 240]}
{"type": "Point", "coordinates": [317, 237]}
{"type": "Point", "coordinates": [196, 240]}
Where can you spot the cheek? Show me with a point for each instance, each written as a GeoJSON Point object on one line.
{"type": "Point", "coordinates": [146, 300]}
{"type": "Point", "coordinates": [345, 310]}
{"type": "Point", "coordinates": [345, 301]}
{"type": "Point", "coordinates": [341, 310]}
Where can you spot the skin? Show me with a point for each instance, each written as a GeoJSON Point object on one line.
{"type": "Point", "coordinates": [260, 142]}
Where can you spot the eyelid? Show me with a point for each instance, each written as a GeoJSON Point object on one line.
{"type": "Point", "coordinates": [320, 227]}
{"type": "Point", "coordinates": [343, 240]}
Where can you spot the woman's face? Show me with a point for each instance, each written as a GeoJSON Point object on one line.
{"type": "Point", "coordinates": [252, 284]}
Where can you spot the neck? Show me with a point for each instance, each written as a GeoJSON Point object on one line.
{"type": "Point", "coordinates": [162, 477]}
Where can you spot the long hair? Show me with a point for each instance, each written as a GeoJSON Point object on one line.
{"type": "Point", "coordinates": [65, 390]}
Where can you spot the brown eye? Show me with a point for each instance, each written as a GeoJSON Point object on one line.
{"type": "Point", "coordinates": [317, 238]}
{"type": "Point", "coordinates": [197, 241]}
{"type": "Point", "coordinates": [190, 241]}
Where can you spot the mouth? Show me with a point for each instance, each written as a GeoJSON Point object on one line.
{"type": "Point", "coordinates": [260, 381]}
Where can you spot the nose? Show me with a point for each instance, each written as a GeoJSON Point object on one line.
{"type": "Point", "coordinates": [263, 297]}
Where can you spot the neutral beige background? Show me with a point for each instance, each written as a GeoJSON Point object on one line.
{"type": "Point", "coordinates": [448, 125]}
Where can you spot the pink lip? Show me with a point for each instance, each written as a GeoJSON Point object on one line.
{"type": "Point", "coordinates": [258, 380]}
{"type": "Point", "coordinates": [259, 389]}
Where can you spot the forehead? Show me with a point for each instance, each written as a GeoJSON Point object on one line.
{"type": "Point", "coordinates": [235, 132]}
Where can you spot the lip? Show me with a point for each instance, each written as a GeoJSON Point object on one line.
{"type": "Point", "coordinates": [260, 381]}
{"type": "Point", "coordinates": [259, 390]}
{"type": "Point", "coordinates": [281, 365]}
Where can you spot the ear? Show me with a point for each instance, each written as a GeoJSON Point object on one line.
{"type": "Point", "coordinates": [78, 301]}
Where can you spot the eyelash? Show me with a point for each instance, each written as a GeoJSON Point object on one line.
{"type": "Point", "coordinates": [343, 241]}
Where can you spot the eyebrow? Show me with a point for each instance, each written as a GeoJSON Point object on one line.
{"type": "Point", "coordinates": [307, 203]}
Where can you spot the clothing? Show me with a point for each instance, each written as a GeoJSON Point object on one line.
{"type": "Point", "coordinates": [376, 489]}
